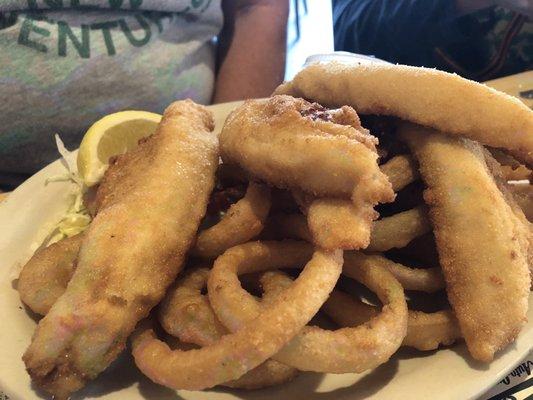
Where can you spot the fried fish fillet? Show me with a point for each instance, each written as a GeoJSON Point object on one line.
{"type": "Point", "coordinates": [482, 244]}
{"type": "Point", "coordinates": [291, 143]}
{"type": "Point", "coordinates": [149, 206]}
{"type": "Point", "coordinates": [429, 97]}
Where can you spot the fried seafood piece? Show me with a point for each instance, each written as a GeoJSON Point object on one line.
{"type": "Point", "coordinates": [425, 331]}
{"type": "Point", "coordinates": [291, 143]}
{"type": "Point", "coordinates": [338, 223]}
{"type": "Point", "coordinates": [482, 243]}
{"type": "Point", "coordinates": [421, 279]}
{"type": "Point", "coordinates": [149, 206]}
{"type": "Point", "coordinates": [237, 353]}
{"type": "Point", "coordinates": [46, 275]}
{"type": "Point", "coordinates": [513, 200]}
{"type": "Point", "coordinates": [387, 233]}
{"type": "Point", "coordinates": [186, 314]}
{"type": "Point", "coordinates": [242, 222]}
{"type": "Point", "coordinates": [401, 171]}
{"type": "Point", "coordinates": [315, 349]}
{"type": "Point", "coordinates": [399, 229]}
{"type": "Point", "coordinates": [460, 108]}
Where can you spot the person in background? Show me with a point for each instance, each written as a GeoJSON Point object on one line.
{"type": "Point", "coordinates": [66, 63]}
{"type": "Point", "coordinates": [478, 39]}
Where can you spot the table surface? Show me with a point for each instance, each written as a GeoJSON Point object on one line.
{"type": "Point", "coordinates": [514, 85]}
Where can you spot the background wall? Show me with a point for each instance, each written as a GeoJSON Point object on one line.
{"type": "Point", "coordinates": [316, 33]}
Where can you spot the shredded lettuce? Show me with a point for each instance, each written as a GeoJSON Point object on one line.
{"type": "Point", "coordinates": [77, 218]}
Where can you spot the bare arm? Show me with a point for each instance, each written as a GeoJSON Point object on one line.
{"type": "Point", "coordinates": [252, 47]}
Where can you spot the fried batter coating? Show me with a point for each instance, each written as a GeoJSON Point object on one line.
{"type": "Point", "coordinates": [523, 194]}
{"type": "Point", "coordinates": [186, 314]}
{"type": "Point", "coordinates": [429, 97]}
{"type": "Point", "coordinates": [401, 171]}
{"type": "Point", "coordinates": [482, 244]}
{"type": "Point", "coordinates": [425, 331]}
{"type": "Point", "coordinates": [399, 229]}
{"type": "Point", "coordinates": [421, 279]}
{"type": "Point", "coordinates": [314, 349]}
{"type": "Point", "coordinates": [149, 206]}
{"type": "Point", "coordinates": [291, 143]}
{"type": "Point", "coordinates": [46, 275]}
{"type": "Point", "coordinates": [338, 223]}
{"type": "Point", "coordinates": [237, 353]}
{"type": "Point", "coordinates": [243, 221]}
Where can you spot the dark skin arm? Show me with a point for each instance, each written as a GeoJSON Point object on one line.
{"type": "Point", "coordinates": [251, 49]}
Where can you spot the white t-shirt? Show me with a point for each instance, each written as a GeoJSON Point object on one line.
{"type": "Point", "coordinates": [66, 63]}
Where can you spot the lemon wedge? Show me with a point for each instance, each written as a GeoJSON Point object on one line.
{"type": "Point", "coordinates": [112, 135]}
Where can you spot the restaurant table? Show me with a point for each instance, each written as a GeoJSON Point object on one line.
{"type": "Point", "coordinates": [518, 385]}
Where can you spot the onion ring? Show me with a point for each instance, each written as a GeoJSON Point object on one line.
{"type": "Point", "coordinates": [425, 331]}
{"type": "Point", "coordinates": [395, 231]}
{"type": "Point", "coordinates": [428, 331]}
{"type": "Point", "coordinates": [273, 284]}
{"type": "Point", "coordinates": [235, 354]}
{"type": "Point", "coordinates": [403, 91]}
{"type": "Point", "coordinates": [398, 230]}
{"type": "Point", "coordinates": [314, 349]}
{"type": "Point", "coordinates": [270, 373]}
{"type": "Point", "coordinates": [421, 279]}
{"type": "Point", "coordinates": [401, 171]}
{"type": "Point", "coordinates": [243, 221]}
{"type": "Point", "coordinates": [186, 314]}
{"type": "Point", "coordinates": [290, 226]}
{"type": "Point", "coordinates": [45, 276]}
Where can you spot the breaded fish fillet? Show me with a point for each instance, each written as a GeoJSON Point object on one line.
{"type": "Point", "coordinates": [482, 244]}
{"type": "Point", "coordinates": [149, 206]}
{"type": "Point", "coordinates": [294, 144]}
{"type": "Point", "coordinates": [291, 143]}
{"type": "Point", "coordinates": [429, 97]}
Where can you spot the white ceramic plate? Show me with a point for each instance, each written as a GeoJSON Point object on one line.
{"type": "Point", "coordinates": [30, 212]}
